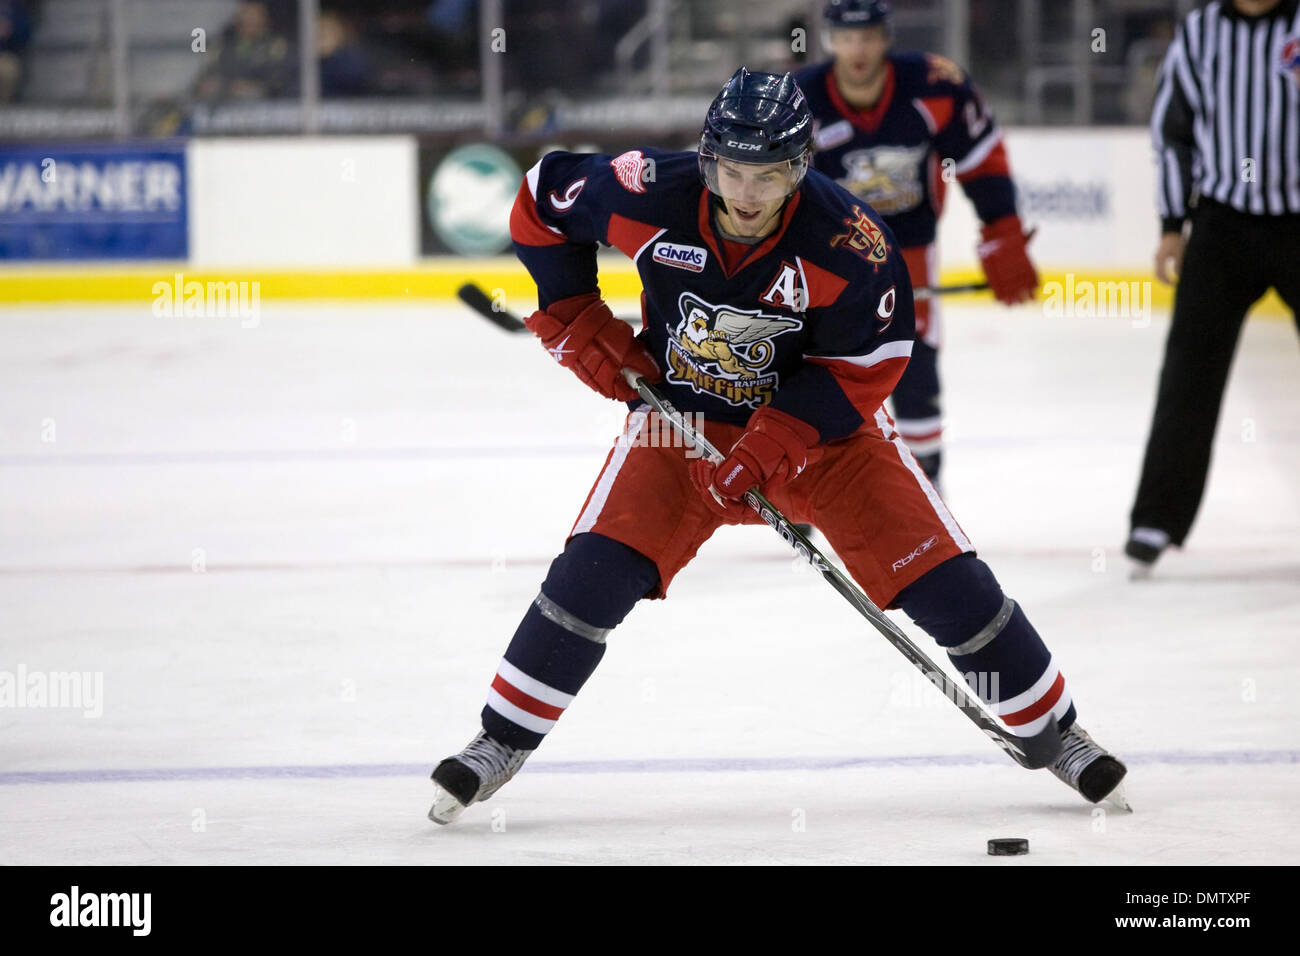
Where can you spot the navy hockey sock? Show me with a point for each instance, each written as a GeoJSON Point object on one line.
{"type": "Point", "coordinates": [588, 591]}
{"type": "Point", "coordinates": [991, 642]}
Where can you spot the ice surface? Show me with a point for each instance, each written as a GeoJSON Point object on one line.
{"type": "Point", "coordinates": [296, 552]}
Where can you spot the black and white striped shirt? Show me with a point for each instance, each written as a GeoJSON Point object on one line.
{"type": "Point", "coordinates": [1226, 121]}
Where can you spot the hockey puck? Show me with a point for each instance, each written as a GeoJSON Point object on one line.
{"type": "Point", "coordinates": [1008, 847]}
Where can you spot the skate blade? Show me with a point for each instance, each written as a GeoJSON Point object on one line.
{"type": "Point", "coordinates": [1118, 799]}
{"type": "Point", "coordinates": [446, 808]}
{"type": "Point", "coordinates": [1137, 571]}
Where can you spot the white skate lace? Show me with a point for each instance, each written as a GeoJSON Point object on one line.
{"type": "Point", "coordinates": [1078, 752]}
{"type": "Point", "coordinates": [494, 763]}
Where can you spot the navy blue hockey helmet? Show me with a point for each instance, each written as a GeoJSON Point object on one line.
{"type": "Point", "coordinates": [757, 118]}
{"type": "Point", "coordinates": [857, 13]}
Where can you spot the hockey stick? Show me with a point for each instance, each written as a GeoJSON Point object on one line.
{"type": "Point", "coordinates": [478, 300]}
{"type": "Point", "coordinates": [930, 291]}
{"type": "Point", "coordinates": [1031, 752]}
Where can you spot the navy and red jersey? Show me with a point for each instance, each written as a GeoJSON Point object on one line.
{"type": "Point", "coordinates": [815, 319]}
{"type": "Point", "coordinates": [892, 155]}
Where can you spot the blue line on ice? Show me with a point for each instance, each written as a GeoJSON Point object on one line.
{"type": "Point", "coordinates": [659, 765]}
{"type": "Point", "coordinates": [457, 452]}
{"type": "Point", "coordinates": [219, 457]}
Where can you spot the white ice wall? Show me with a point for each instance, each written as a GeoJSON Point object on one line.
{"type": "Point", "coordinates": [354, 202]}
{"type": "Point", "coordinates": [346, 201]}
{"type": "Point", "coordinates": [1090, 192]}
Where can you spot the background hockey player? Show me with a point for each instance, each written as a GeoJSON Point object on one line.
{"type": "Point", "coordinates": [777, 306]}
{"type": "Point", "coordinates": [895, 129]}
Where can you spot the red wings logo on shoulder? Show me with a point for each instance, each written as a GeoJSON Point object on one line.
{"type": "Point", "coordinates": [864, 237]}
{"type": "Point", "coordinates": [629, 167]}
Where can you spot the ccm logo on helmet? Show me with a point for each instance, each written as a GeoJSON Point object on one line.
{"type": "Point", "coordinates": [732, 143]}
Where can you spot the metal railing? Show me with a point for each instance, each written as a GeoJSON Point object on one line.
{"type": "Point", "coordinates": [128, 68]}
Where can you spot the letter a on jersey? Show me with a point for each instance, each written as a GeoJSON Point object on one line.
{"type": "Point", "coordinates": [785, 291]}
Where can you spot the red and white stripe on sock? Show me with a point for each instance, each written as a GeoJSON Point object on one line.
{"type": "Point", "coordinates": [1027, 713]}
{"type": "Point", "coordinates": [924, 436]}
{"type": "Point", "coordinates": [526, 701]}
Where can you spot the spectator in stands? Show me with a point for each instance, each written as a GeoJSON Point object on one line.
{"type": "Point", "coordinates": [15, 31]}
{"type": "Point", "coordinates": [253, 63]}
{"type": "Point", "coordinates": [344, 65]}
{"type": "Point", "coordinates": [1144, 57]}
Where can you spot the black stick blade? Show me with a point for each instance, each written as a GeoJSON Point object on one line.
{"type": "Point", "coordinates": [478, 300]}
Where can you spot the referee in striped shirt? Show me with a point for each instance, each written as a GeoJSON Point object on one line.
{"type": "Point", "coordinates": [1226, 126]}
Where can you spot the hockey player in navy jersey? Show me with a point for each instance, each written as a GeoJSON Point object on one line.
{"type": "Point", "coordinates": [776, 305]}
{"type": "Point", "coordinates": [895, 129]}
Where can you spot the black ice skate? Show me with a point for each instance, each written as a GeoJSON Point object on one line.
{"type": "Point", "coordinates": [1144, 546]}
{"type": "Point", "coordinates": [1089, 769]}
{"type": "Point", "coordinates": [473, 775]}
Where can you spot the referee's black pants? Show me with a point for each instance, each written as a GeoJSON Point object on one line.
{"type": "Point", "coordinates": [1231, 261]}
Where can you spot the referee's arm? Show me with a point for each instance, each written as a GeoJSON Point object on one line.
{"type": "Point", "coordinates": [1174, 140]}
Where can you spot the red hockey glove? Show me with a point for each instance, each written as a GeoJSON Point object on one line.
{"type": "Point", "coordinates": [774, 449]}
{"type": "Point", "coordinates": [585, 337]}
{"type": "Point", "coordinates": [1006, 263]}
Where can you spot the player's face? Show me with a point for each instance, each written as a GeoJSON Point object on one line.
{"type": "Point", "coordinates": [859, 54]}
{"type": "Point", "coordinates": [1253, 8]}
{"type": "Point", "coordinates": [754, 195]}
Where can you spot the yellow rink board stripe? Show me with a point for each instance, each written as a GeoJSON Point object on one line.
{"type": "Point", "coordinates": [439, 280]}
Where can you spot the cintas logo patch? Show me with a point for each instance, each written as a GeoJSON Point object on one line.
{"type": "Point", "coordinates": [691, 258]}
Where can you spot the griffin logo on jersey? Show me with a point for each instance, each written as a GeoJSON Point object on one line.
{"type": "Point", "coordinates": [723, 351]}
{"type": "Point", "coordinates": [888, 177]}
{"type": "Point", "coordinates": [864, 237]}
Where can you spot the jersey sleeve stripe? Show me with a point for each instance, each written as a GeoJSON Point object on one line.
{"type": "Point", "coordinates": [526, 226]}
{"type": "Point", "coordinates": [890, 350]}
{"type": "Point", "coordinates": [630, 236]}
{"type": "Point", "coordinates": [980, 152]}
{"type": "Point", "coordinates": [646, 244]}
{"type": "Point", "coordinates": [926, 115]}
{"type": "Point", "coordinates": [865, 389]}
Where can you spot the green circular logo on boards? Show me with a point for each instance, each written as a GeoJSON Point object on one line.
{"type": "Point", "coordinates": [469, 199]}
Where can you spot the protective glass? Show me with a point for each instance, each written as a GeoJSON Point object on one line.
{"type": "Point", "coordinates": [752, 182]}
